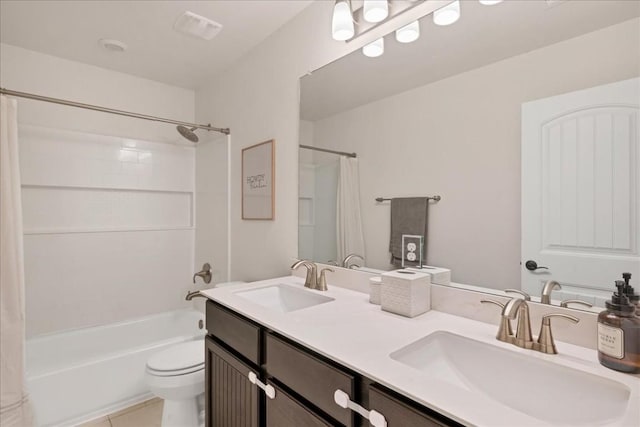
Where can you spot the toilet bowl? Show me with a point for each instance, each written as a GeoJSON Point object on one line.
{"type": "Point", "coordinates": [177, 376]}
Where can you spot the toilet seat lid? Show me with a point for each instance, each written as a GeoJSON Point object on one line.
{"type": "Point", "coordinates": [179, 357]}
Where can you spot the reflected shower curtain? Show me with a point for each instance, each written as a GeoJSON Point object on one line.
{"type": "Point", "coordinates": [350, 237]}
{"type": "Point", "coordinates": [14, 402]}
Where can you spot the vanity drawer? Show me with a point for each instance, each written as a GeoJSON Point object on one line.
{"type": "Point", "coordinates": [285, 411]}
{"type": "Point", "coordinates": [399, 414]}
{"type": "Point", "coordinates": [310, 377]}
{"type": "Point", "coordinates": [237, 332]}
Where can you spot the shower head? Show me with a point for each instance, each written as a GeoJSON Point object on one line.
{"type": "Point", "coordinates": [188, 133]}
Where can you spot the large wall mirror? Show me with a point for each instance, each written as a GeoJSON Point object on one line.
{"type": "Point", "coordinates": [522, 116]}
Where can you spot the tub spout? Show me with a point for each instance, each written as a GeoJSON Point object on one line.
{"type": "Point", "coordinates": [194, 294]}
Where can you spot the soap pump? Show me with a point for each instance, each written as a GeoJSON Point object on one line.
{"type": "Point", "coordinates": [619, 333]}
{"type": "Point", "coordinates": [629, 291]}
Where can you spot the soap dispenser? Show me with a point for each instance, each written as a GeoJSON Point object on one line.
{"type": "Point", "coordinates": [630, 293]}
{"type": "Point", "coordinates": [619, 333]}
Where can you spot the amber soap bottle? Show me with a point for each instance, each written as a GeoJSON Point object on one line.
{"type": "Point", "coordinates": [619, 333]}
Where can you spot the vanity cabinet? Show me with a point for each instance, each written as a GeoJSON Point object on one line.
{"type": "Point", "coordinates": [294, 386]}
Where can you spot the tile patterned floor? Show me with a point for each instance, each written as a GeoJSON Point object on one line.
{"type": "Point", "coordinates": [145, 414]}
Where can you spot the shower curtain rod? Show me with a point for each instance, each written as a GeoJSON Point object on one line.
{"type": "Point", "coordinates": [342, 153]}
{"type": "Point", "coordinates": [9, 92]}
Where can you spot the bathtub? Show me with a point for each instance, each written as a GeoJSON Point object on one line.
{"type": "Point", "coordinates": [75, 376]}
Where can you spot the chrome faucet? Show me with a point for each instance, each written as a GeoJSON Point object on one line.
{"type": "Point", "coordinates": [345, 261]}
{"type": "Point", "coordinates": [518, 307]}
{"type": "Point", "coordinates": [549, 287]}
{"type": "Point", "coordinates": [311, 281]}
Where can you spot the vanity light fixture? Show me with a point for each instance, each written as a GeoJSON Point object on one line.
{"type": "Point", "coordinates": [489, 2]}
{"type": "Point", "coordinates": [408, 33]}
{"type": "Point", "coordinates": [342, 22]}
{"type": "Point", "coordinates": [375, 10]}
{"type": "Point", "coordinates": [374, 49]}
{"type": "Point", "coordinates": [447, 15]}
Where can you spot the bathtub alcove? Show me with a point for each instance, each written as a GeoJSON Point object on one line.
{"type": "Point", "coordinates": [82, 374]}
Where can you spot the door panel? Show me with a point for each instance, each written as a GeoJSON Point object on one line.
{"type": "Point", "coordinates": [231, 400]}
{"type": "Point", "coordinates": [285, 411]}
{"type": "Point", "coordinates": [580, 190]}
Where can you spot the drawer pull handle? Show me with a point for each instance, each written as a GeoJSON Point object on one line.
{"type": "Point", "coordinates": [268, 388]}
{"type": "Point", "coordinates": [376, 419]}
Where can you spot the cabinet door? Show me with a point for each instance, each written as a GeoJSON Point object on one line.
{"type": "Point", "coordinates": [285, 411]}
{"type": "Point", "coordinates": [399, 414]}
{"type": "Point", "coordinates": [231, 399]}
{"type": "Point", "coordinates": [313, 379]}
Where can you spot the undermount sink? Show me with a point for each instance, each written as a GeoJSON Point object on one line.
{"type": "Point", "coordinates": [538, 388]}
{"type": "Point", "coordinates": [283, 298]}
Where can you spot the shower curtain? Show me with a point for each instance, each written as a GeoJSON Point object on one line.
{"type": "Point", "coordinates": [350, 237]}
{"type": "Point", "coordinates": [14, 401]}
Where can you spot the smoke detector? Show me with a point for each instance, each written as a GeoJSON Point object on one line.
{"type": "Point", "coordinates": [113, 45]}
{"type": "Point", "coordinates": [197, 26]}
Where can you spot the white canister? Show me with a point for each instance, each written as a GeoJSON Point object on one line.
{"type": "Point", "coordinates": [375, 285]}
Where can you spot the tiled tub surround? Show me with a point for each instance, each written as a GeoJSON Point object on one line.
{"type": "Point", "coordinates": [79, 375]}
{"type": "Point", "coordinates": [360, 336]}
{"type": "Point", "coordinates": [102, 214]}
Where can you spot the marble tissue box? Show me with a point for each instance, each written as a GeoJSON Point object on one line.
{"type": "Point", "coordinates": [439, 276]}
{"type": "Point", "coordinates": [406, 292]}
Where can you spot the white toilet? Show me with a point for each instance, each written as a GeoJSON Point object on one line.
{"type": "Point", "coordinates": [177, 376]}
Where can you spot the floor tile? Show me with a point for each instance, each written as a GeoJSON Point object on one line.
{"type": "Point", "coordinates": [128, 409]}
{"type": "Point", "coordinates": [146, 416]}
{"type": "Point", "coordinates": [100, 422]}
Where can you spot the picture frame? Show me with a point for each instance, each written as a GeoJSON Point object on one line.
{"type": "Point", "coordinates": [258, 181]}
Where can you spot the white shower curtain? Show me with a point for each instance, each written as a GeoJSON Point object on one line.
{"type": "Point", "coordinates": [14, 402]}
{"type": "Point", "coordinates": [350, 237]}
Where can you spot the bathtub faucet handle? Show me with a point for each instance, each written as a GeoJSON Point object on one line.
{"type": "Point", "coordinates": [205, 273]}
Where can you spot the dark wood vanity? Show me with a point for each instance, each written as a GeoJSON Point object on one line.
{"type": "Point", "coordinates": [304, 382]}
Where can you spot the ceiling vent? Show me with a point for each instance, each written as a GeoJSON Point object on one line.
{"type": "Point", "coordinates": [197, 26]}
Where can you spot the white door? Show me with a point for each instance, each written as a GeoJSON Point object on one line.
{"type": "Point", "coordinates": [580, 188]}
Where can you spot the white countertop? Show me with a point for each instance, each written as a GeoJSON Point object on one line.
{"type": "Point", "coordinates": [360, 336]}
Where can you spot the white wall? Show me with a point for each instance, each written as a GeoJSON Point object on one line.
{"type": "Point", "coordinates": [460, 138]}
{"type": "Point", "coordinates": [108, 210]}
{"type": "Point", "coordinates": [259, 99]}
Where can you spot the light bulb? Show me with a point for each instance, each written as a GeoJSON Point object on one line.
{"type": "Point", "coordinates": [375, 10]}
{"type": "Point", "coordinates": [342, 22]}
{"type": "Point", "coordinates": [408, 33]}
{"type": "Point", "coordinates": [374, 49]}
{"type": "Point", "coordinates": [489, 2]}
{"type": "Point", "coordinates": [448, 14]}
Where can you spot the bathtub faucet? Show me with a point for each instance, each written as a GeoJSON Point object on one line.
{"type": "Point", "coordinates": [194, 294]}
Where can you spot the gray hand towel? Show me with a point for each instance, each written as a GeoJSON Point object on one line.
{"type": "Point", "coordinates": [409, 215]}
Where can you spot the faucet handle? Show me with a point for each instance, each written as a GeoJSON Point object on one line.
{"type": "Point", "coordinates": [505, 333]}
{"type": "Point", "coordinates": [322, 282]}
{"type": "Point", "coordinates": [545, 342]}
{"type": "Point", "coordinates": [565, 303]}
{"type": "Point", "coordinates": [525, 295]}
{"type": "Point", "coordinates": [490, 301]}
{"type": "Point", "coordinates": [205, 273]}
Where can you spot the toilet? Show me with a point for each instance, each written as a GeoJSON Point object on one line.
{"type": "Point", "coordinates": [177, 376]}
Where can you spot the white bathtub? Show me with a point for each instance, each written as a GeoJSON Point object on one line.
{"type": "Point", "coordinates": [78, 375]}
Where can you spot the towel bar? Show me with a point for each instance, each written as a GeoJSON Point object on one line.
{"type": "Point", "coordinates": [434, 198]}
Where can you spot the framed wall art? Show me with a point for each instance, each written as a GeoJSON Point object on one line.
{"type": "Point", "coordinates": [258, 189]}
